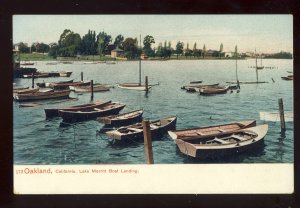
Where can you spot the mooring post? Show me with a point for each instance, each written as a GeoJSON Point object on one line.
{"type": "Point", "coordinates": [32, 86]}
{"type": "Point", "coordinates": [82, 76]}
{"type": "Point", "coordinates": [146, 84]}
{"type": "Point", "coordinates": [281, 113]}
{"type": "Point", "coordinates": [148, 142]}
{"type": "Point", "coordinates": [92, 90]}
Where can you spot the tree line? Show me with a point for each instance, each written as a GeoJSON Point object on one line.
{"type": "Point", "coordinates": [71, 44]}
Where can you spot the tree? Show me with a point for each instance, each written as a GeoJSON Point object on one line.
{"type": "Point", "coordinates": [130, 47]}
{"type": "Point", "coordinates": [148, 40]}
{"type": "Point", "coordinates": [103, 40]}
{"type": "Point", "coordinates": [179, 48]}
{"type": "Point", "coordinates": [88, 44]}
{"type": "Point", "coordinates": [23, 48]}
{"type": "Point", "coordinates": [221, 49]}
{"type": "Point", "coordinates": [69, 43]}
{"type": "Point", "coordinates": [204, 51]}
{"type": "Point", "coordinates": [53, 51]}
{"type": "Point", "coordinates": [41, 48]}
{"type": "Point", "coordinates": [118, 41]}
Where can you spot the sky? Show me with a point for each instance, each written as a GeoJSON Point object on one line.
{"type": "Point", "coordinates": [265, 33]}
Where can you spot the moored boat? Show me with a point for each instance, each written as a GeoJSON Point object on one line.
{"type": "Point", "coordinates": [47, 84]}
{"type": "Point", "coordinates": [65, 73]}
{"type": "Point", "coordinates": [223, 144]}
{"type": "Point", "coordinates": [74, 115]}
{"type": "Point", "coordinates": [42, 95]}
{"type": "Point", "coordinates": [210, 130]}
{"type": "Point", "coordinates": [196, 82]}
{"type": "Point", "coordinates": [185, 87]}
{"type": "Point", "coordinates": [96, 88]}
{"type": "Point", "coordinates": [133, 86]}
{"type": "Point", "coordinates": [289, 77]}
{"type": "Point", "coordinates": [213, 90]}
{"type": "Point", "coordinates": [122, 119]}
{"type": "Point", "coordinates": [135, 131]}
{"type": "Point", "coordinates": [57, 85]}
{"type": "Point", "coordinates": [24, 91]}
{"type": "Point", "coordinates": [54, 112]}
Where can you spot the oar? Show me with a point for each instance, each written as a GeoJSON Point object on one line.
{"type": "Point", "coordinates": [39, 104]}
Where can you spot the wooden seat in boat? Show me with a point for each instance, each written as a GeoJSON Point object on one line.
{"type": "Point", "coordinates": [221, 141]}
{"type": "Point", "coordinates": [238, 137]}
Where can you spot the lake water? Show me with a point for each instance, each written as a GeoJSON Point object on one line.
{"type": "Point", "coordinates": [41, 141]}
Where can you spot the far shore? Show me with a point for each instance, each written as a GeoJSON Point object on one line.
{"type": "Point", "coordinates": [44, 57]}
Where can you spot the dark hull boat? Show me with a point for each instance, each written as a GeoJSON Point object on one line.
{"type": "Point", "coordinates": [289, 77]}
{"type": "Point", "coordinates": [54, 112]}
{"type": "Point", "coordinates": [213, 90]}
{"type": "Point", "coordinates": [73, 115]}
{"type": "Point", "coordinates": [223, 144]}
{"type": "Point", "coordinates": [135, 131]}
{"type": "Point", "coordinates": [24, 91]}
{"type": "Point", "coordinates": [122, 119]}
{"type": "Point", "coordinates": [42, 95]}
{"type": "Point", "coordinates": [47, 84]}
{"type": "Point", "coordinates": [96, 88]}
{"type": "Point", "coordinates": [210, 130]}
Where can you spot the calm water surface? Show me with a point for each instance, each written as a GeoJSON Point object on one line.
{"type": "Point", "coordinates": [41, 141]}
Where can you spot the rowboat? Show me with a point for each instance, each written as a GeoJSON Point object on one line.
{"type": "Point", "coordinates": [213, 90]}
{"type": "Point", "coordinates": [25, 91]}
{"type": "Point", "coordinates": [186, 87]}
{"type": "Point", "coordinates": [53, 112]}
{"type": "Point", "coordinates": [196, 88]}
{"type": "Point", "coordinates": [122, 119]}
{"type": "Point", "coordinates": [56, 85]}
{"type": "Point", "coordinates": [224, 144]}
{"type": "Point", "coordinates": [289, 77]}
{"type": "Point", "coordinates": [47, 84]}
{"type": "Point", "coordinates": [20, 88]}
{"type": "Point", "coordinates": [37, 75]}
{"type": "Point", "coordinates": [74, 115]}
{"type": "Point", "coordinates": [247, 82]}
{"type": "Point", "coordinates": [133, 86]}
{"type": "Point", "coordinates": [135, 131]}
{"type": "Point", "coordinates": [195, 82]}
{"type": "Point", "coordinates": [65, 73]}
{"type": "Point", "coordinates": [210, 130]}
{"type": "Point", "coordinates": [42, 95]}
{"type": "Point", "coordinates": [96, 88]}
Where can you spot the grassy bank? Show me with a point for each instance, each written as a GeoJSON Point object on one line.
{"type": "Point", "coordinates": [45, 57]}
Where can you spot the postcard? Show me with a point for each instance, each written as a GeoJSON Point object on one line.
{"type": "Point", "coordinates": [153, 104]}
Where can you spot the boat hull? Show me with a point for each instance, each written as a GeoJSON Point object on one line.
{"type": "Point", "coordinates": [223, 150]}
{"type": "Point", "coordinates": [155, 132]}
{"type": "Point", "coordinates": [42, 95]}
{"type": "Point", "coordinates": [108, 121]}
{"type": "Point", "coordinates": [76, 116]}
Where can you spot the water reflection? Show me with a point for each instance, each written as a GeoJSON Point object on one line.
{"type": "Point", "coordinates": [280, 151]}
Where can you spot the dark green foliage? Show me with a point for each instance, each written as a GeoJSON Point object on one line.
{"type": "Point", "coordinates": [23, 48]}
{"type": "Point", "coordinates": [69, 44]}
{"type": "Point", "coordinates": [280, 55]}
{"type": "Point", "coordinates": [130, 47]}
{"type": "Point", "coordinates": [119, 41]}
{"type": "Point", "coordinates": [88, 45]}
{"type": "Point", "coordinates": [103, 41]}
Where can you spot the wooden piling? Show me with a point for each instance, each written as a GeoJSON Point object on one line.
{"type": "Point", "coordinates": [148, 142]}
{"type": "Point", "coordinates": [281, 113]}
{"type": "Point", "coordinates": [32, 86]}
{"type": "Point", "coordinates": [82, 76]}
{"type": "Point", "coordinates": [92, 89]}
{"type": "Point", "coordinates": [146, 84]}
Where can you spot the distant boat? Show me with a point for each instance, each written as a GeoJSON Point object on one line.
{"type": "Point", "coordinates": [110, 62]}
{"type": "Point", "coordinates": [74, 115]}
{"type": "Point", "coordinates": [224, 144]}
{"type": "Point", "coordinates": [53, 112]}
{"type": "Point", "coordinates": [289, 71]}
{"type": "Point", "coordinates": [246, 82]}
{"type": "Point", "coordinates": [58, 85]}
{"type": "Point", "coordinates": [196, 82]}
{"type": "Point", "coordinates": [198, 132]}
{"type": "Point", "coordinates": [27, 63]}
{"type": "Point", "coordinates": [47, 84]}
{"type": "Point", "coordinates": [185, 87]}
{"type": "Point", "coordinates": [135, 131]}
{"type": "Point", "coordinates": [275, 117]}
{"type": "Point", "coordinates": [96, 88]}
{"type": "Point", "coordinates": [122, 119]}
{"type": "Point", "coordinates": [133, 86]}
{"type": "Point", "coordinates": [289, 77]}
{"type": "Point", "coordinates": [42, 95]}
{"type": "Point", "coordinates": [65, 73]}
{"type": "Point", "coordinates": [214, 90]}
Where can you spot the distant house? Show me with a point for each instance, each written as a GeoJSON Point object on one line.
{"type": "Point", "coordinates": [212, 53]}
{"type": "Point", "coordinates": [109, 49]}
{"type": "Point", "coordinates": [117, 53]}
{"type": "Point", "coordinates": [144, 56]}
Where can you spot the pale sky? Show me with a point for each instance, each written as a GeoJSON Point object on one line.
{"type": "Point", "coordinates": [266, 33]}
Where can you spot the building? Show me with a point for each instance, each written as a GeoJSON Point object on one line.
{"type": "Point", "coordinates": [117, 53]}
{"type": "Point", "coordinates": [144, 56]}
